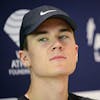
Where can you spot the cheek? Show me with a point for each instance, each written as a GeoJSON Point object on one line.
{"type": "Point", "coordinates": [73, 55]}
{"type": "Point", "coordinates": [72, 58]}
{"type": "Point", "coordinates": [38, 58]}
{"type": "Point", "coordinates": [44, 45]}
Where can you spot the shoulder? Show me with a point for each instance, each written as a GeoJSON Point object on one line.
{"type": "Point", "coordinates": [71, 97]}
{"type": "Point", "coordinates": [76, 97]}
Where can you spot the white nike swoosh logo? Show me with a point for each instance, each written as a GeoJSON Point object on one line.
{"type": "Point", "coordinates": [45, 12]}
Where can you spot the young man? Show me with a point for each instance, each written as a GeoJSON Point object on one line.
{"type": "Point", "coordinates": [49, 50]}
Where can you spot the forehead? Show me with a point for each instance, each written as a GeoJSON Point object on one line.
{"type": "Point", "coordinates": [54, 21]}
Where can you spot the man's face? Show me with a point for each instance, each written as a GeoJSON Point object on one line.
{"type": "Point", "coordinates": [52, 49]}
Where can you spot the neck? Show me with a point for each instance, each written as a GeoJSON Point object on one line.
{"type": "Point", "coordinates": [49, 89]}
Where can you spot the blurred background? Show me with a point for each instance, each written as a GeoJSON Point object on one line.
{"type": "Point", "coordinates": [14, 77]}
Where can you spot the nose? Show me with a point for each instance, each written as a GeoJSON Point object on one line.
{"type": "Point", "coordinates": [57, 45]}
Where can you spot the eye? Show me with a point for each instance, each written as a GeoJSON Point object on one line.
{"type": "Point", "coordinates": [43, 39]}
{"type": "Point", "coordinates": [63, 37]}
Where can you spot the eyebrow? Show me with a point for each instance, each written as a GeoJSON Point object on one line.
{"type": "Point", "coordinates": [36, 33]}
{"type": "Point", "coordinates": [41, 32]}
{"type": "Point", "coordinates": [65, 30]}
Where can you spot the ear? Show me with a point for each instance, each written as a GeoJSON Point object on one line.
{"type": "Point", "coordinates": [76, 48]}
{"type": "Point", "coordinates": [24, 57]}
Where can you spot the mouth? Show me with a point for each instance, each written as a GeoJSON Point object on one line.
{"type": "Point", "coordinates": [57, 58]}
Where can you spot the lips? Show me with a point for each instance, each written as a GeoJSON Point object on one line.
{"type": "Point", "coordinates": [57, 58]}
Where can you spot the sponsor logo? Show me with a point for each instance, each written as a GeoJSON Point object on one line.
{"type": "Point", "coordinates": [46, 12]}
{"type": "Point", "coordinates": [17, 67]}
{"type": "Point", "coordinates": [12, 28]}
{"type": "Point", "coordinates": [13, 23]}
{"type": "Point", "coordinates": [93, 39]}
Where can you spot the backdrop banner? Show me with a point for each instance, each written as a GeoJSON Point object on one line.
{"type": "Point", "coordinates": [15, 77]}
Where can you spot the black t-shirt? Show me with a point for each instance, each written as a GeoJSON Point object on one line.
{"type": "Point", "coordinates": [71, 97]}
